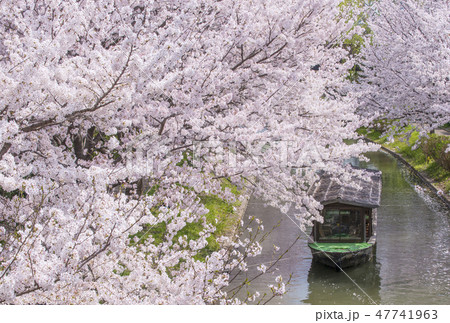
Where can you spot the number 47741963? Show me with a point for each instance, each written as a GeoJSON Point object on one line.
{"type": "Point", "coordinates": [407, 314]}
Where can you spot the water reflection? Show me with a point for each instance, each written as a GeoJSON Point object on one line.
{"type": "Point", "coordinates": [412, 255]}
{"type": "Point", "coordinates": [413, 240]}
{"type": "Point", "coordinates": [296, 261]}
{"type": "Point", "coordinates": [326, 286]}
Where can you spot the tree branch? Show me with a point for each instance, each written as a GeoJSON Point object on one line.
{"type": "Point", "coordinates": [97, 105]}
{"type": "Point", "coordinates": [5, 149]}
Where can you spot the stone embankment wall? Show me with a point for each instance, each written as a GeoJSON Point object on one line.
{"type": "Point", "coordinates": [239, 215]}
{"type": "Point", "coordinates": [416, 173]}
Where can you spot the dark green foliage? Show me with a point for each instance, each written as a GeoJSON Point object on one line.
{"type": "Point", "coordinates": [187, 158]}
{"type": "Point", "coordinates": [153, 190]}
{"type": "Point", "coordinates": [11, 194]}
{"type": "Point", "coordinates": [350, 12]}
{"type": "Point", "coordinates": [434, 148]}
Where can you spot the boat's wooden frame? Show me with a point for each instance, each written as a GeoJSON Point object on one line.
{"type": "Point", "coordinates": [338, 197]}
{"type": "Point", "coordinates": [344, 259]}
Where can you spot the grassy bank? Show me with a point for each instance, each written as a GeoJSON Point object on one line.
{"type": "Point", "coordinates": [417, 153]}
{"type": "Point", "coordinates": [222, 214]}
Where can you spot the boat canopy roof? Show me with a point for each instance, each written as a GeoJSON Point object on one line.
{"type": "Point", "coordinates": [329, 191]}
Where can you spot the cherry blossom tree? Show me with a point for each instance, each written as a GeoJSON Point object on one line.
{"type": "Point", "coordinates": [116, 116]}
{"type": "Point", "coordinates": [407, 63]}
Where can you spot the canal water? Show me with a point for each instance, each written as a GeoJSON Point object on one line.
{"type": "Point", "coordinates": [412, 261]}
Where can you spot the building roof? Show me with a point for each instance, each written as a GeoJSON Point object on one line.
{"type": "Point", "coordinates": [328, 191]}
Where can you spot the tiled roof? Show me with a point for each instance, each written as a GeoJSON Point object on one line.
{"type": "Point", "coordinates": [328, 191]}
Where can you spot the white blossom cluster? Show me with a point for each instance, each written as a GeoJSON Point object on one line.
{"type": "Point", "coordinates": [407, 64]}
{"type": "Point", "coordinates": [102, 104]}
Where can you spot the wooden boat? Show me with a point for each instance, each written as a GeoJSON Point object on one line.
{"type": "Point", "coordinates": [347, 236]}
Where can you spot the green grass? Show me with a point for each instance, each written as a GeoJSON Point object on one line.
{"type": "Point", "coordinates": [221, 214]}
{"type": "Point", "coordinates": [407, 144]}
{"type": "Point", "coordinates": [374, 135]}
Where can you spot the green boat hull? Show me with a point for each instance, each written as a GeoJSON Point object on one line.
{"type": "Point", "coordinates": [342, 255]}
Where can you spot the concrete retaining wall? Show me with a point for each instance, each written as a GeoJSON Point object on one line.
{"type": "Point", "coordinates": [416, 173]}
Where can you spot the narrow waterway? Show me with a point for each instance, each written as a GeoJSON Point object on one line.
{"type": "Point", "coordinates": [412, 255]}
